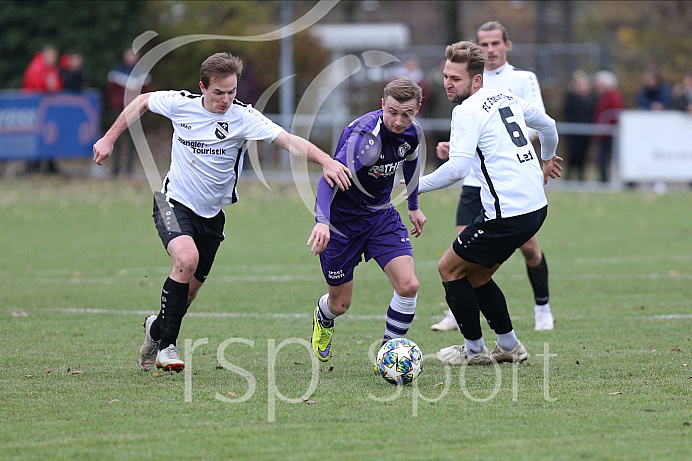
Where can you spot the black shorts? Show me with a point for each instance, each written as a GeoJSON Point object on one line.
{"type": "Point", "coordinates": [174, 219]}
{"type": "Point", "coordinates": [492, 242]}
{"type": "Point", "coordinates": [470, 205]}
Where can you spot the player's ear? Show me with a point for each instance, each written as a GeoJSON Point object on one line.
{"type": "Point", "coordinates": [201, 87]}
{"type": "Point", "coordinates": [383, 103]}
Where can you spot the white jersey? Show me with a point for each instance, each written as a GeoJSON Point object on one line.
{"type": "Point", "coordinates": [490, 128]}
{"type": "Point", "coordinates": [206, 155]}
{"type": "Point", "coordinates": [522, 83]}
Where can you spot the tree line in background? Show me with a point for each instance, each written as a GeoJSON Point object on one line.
{"type": "Point", "coordinates": [634, 34]}
{"type": "Point", "coordinates": [100, 31]}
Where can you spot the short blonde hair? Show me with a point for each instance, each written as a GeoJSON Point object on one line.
{"type": "Point", "coordinates": [403, 89]}
{"type": "Point", "coordinates": [469, 53]}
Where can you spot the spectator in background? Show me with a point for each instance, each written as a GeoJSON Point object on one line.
{"type": "Point", "coordinates": [609, 103]}
{"type": "Point", "coordinates": [412, 70]}
{"type": "Point", "coordinates": [578, 107]}
{"type": "Point", "coordinates": [436, 106]}
{"type": "Point", "coordinates": [654, 93]}
{"type": "Point", "coordinates": [43, 75]}
{"type": "Point", "coordinates": [74, 75]}
{"type": "Point", "coordinates": [682, 94]}
{"type": "Point", "coordinates": [120, 79]}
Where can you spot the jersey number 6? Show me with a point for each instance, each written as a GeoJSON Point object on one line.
{"type": "Point", "coordinates": [512, 127]}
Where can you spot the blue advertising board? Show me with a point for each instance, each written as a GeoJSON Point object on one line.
{"type": "Point", "coordinates": [48, 125]}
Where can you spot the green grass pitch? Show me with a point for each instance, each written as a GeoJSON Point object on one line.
{"type": "Point", "coordinates": [81, 265]}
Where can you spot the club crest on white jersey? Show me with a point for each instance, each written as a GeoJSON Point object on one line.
{"type": "Point", "coordinates": [221, 130]}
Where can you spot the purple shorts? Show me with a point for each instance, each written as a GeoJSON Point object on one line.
{"type": "Point", "coordinates": [381, 236]}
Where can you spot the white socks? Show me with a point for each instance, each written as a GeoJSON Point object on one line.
{"type": "Point", "coordinates": [507, 341]}
{"type": "Point", "coordinates": [474, 347]}
{"type": "Point", "coordinates": [542, 308]}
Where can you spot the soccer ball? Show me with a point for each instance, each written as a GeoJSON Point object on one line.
{"type": "Point", "coordinates": [399, 361]}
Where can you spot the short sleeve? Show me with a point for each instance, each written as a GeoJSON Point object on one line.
{"type": "Point", "coordinates": [464, 134]}
{"type": "Point", "coordinates": [164, 102]}
{"type": "Point", "coordinates": [413, 155]}
{"type": "Point", "coordinates": [258, 127]}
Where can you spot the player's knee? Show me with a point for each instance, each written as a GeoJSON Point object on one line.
{"type": "Point", "coordinates": [408, 289]}
{"type": "Point", "coordinates": [186, 264]}
{"type": "Point", "coordinates": [445, 272]}
{"type": "Point", "coordinates": [477, 280]}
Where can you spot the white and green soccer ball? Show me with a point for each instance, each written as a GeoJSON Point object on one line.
{"type": "Point", "coordinates": [399, 361]}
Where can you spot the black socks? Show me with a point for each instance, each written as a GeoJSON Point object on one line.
{"type": "Point", "coordinates": [538, 276]}
{"type": "Point", "coordinates": [462, 301]}
{"type": "Point", "coordinates": [173, 308]}
{"type": "Point", "coordinates": [494, 307]}
{"type": "Point", "coordinates": [467, 302]}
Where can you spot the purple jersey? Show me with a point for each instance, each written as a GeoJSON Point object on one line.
{"type": "Point", "coordinates": [373, 154]}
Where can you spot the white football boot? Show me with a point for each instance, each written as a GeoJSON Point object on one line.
{"type": "Point", "coordinates": [457, 355]}
{"type": "Point", "coordinates": [169, 360]}
{"type": "Point", "coordinates": [149, 349]}
{"type": "Point", "coordinates": [544, 319]}
{"type": "Point", "coordinates": [448, 323]}
{"type": "Point", "coordinates": [516, 355]}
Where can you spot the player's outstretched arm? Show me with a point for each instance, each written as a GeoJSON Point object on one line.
{"type": "Point", "coordinates": [103, 148]}
{"type": "Point", "coordinates": [319, 238]}
{"type": "Point", "coordinates": [452, 171]}
{"type": "Point", "coordinates": [335, 172]}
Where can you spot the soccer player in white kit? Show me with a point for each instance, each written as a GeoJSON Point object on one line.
{"type": "Point", "coordinates": [498, 73]}
{"type": "Point", "coordinates": [489, 136]}
{"type": "Point", "coordinates": [210, 132]}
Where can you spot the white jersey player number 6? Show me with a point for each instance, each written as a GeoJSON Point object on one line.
{"type": "Point", "coordinates": [512, 127]}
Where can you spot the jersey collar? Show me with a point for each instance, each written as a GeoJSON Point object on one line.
{"type": "Point", "coordinates": [499, 70]}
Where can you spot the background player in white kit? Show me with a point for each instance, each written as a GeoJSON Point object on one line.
{"type": "Point", "coordinates": [493, 40]}
{"type": "Point", "coordinates": [489, 135]}
{"type": "Point", "coordinates": [210, 132]}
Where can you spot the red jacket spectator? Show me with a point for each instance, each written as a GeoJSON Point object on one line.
{"type": "Point", "coordinates": [610, 101]}
{"type": "Point", "coordinates": [120, 77]}
{"type": "Point", "coordinates": [43, 74]}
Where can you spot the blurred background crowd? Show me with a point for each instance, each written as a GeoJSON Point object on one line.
{"type": "Point", "coordinates": [592, 59]}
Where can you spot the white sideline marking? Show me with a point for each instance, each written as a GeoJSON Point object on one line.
{"type": "Point", "coordinates": [318, 277]}
{"type": "Point", "coordinates": [665, 317]}
{"type": "Point", "coordinates": [222, 278]}
{"type": "Point", "coordinates": [239, 271]}
{"type": "Point", "coordinates": [308, 315]}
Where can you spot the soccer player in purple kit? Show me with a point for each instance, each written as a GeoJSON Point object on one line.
{"type": "Point", "coordinates": [362, 221]}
